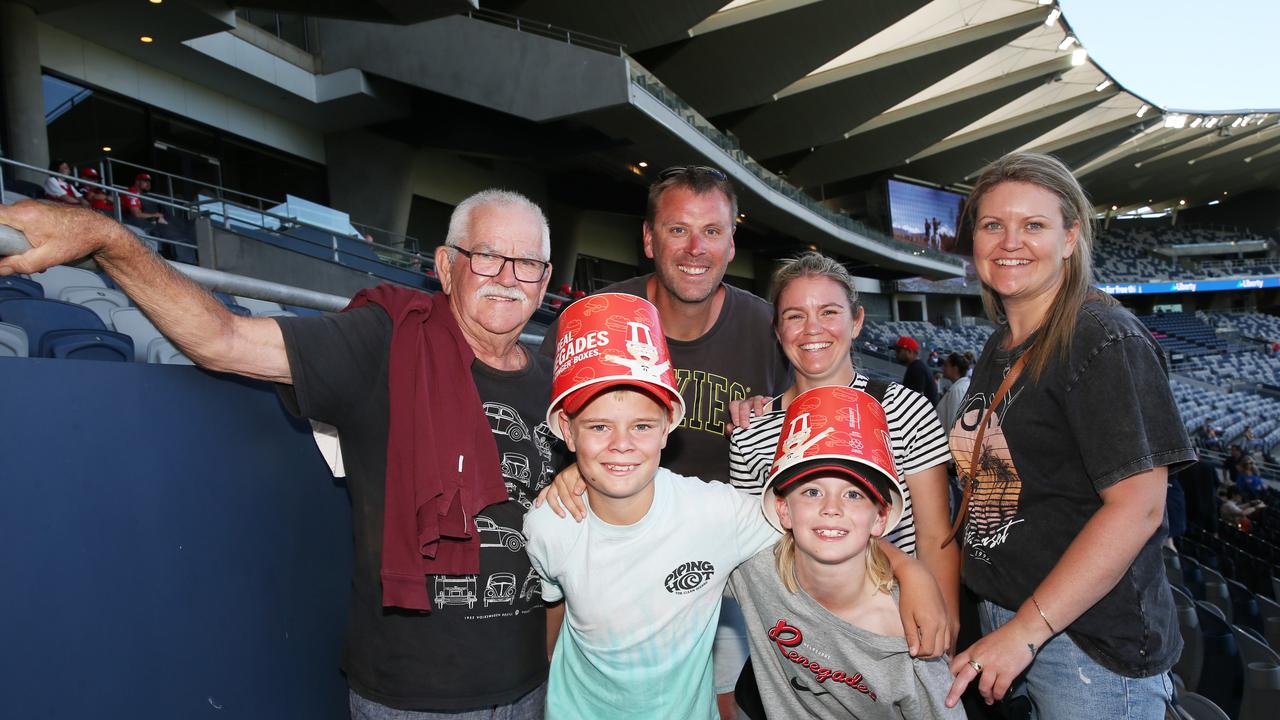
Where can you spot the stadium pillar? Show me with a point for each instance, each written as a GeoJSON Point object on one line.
{"type": "Point", "coordinates": [371, 179]}
{"type": "Point", "coordinates": [22, 89]}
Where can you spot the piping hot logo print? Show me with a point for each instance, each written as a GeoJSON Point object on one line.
{"type": "Point", "coordinates": [689, 577]}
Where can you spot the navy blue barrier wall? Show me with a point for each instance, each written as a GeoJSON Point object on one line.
{"type": "Point", "coordinates": [171, 546]}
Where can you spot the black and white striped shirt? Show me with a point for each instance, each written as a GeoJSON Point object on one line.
{"type": "Point", "coordinates": [918, 440]}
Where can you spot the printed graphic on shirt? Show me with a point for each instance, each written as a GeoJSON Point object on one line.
{"type": "Point", "coordinates": [515, 472]}
{"type": "Point", "coordinates": [997, 486]}
{"type": "Point", "coordinates": [494, 535]}
{"type": "Point", "coordinates": [501, 588]}
{"type": "Point", "coordinates": [532, 587]}
{"type": "Point", "coordinates": [454, 590]}
{"type": "Point", "coordinates": [808, 666]}
{"type": "Point", "coordinates": [689, 577]}
{"type": "Point", "coordinates": [543, 438]}
{"type": "Point", "coordinates": [506, 421]}
{"type": "Point", "coordinates": [706, 399]}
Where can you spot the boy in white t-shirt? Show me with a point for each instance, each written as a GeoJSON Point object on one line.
{"type": "Point", "coordinates": [643, 576]}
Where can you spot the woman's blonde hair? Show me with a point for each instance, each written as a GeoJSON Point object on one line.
{"type": "Point", "coordinates": [812, 264]}
{"type": "Point", "coordinates": [1047, 172]}
{"type": "Point", "coordinates": [878, 568]}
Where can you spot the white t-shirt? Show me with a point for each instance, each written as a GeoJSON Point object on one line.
{"type": "Point", "coordinates": [642, 600]}
{"type": "Point", "coordinates": [56, 187]}
{"type": "Point", "coordinates": [918, 440]}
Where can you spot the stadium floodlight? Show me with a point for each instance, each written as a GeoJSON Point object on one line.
{"type": "Point", "coordinates": [1238, 122]}
{"type": "Point", "coordinates": [1175, 120]}
{"type": "Point", "coordinates": [1045, 2]}
{"type": "Point", "coordinates": [1196, 123]}
{"type": "Point", "coordinates": [1182, 202]}
{"type": "Point", "coordinates": [1213, 121]}
{"type": "Point", "coordinates": [1143, 110]}
{"type": "Point", "coordinates": [1103, 85]}
{"type": "Point", "coordinates": [1214, 202]}
{"type": "Point", "coordinates": [1078, 56]}
{"type": "Point", "coordinates": [1054, 14]}
{"type": "Point", "coordinates": [1067, 42]}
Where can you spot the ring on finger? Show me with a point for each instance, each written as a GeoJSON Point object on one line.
{"type": "Point", "coordinates": [977, 666]}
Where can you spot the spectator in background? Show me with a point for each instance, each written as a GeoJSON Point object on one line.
{"type": "Point", "coordinates": [956, 369]}
{"type": "Point", "coordinates": [1236, 510]}
{"type": "Point", "coordinates": [60, 189]}
{"type": "Point", "coordinates": [148, 218]}
{"type": "Point", "coordinates": [96, 196]}
{"type": "Point", "coordinates": [1209, 437]}
{"type": "Point", "coordinates": [1231, 463]}
{"type": "Point", "coordinates": [1247, 477]}
{"type": "Point", "coordinates": [917, 376]}
{"type": "Point", "coordinates": [972, 360]}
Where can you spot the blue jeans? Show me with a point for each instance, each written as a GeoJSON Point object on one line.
{"type": "Point", "coordinates": [529, 707]}
{"type": "Point", "coordinates": [1064, 683]}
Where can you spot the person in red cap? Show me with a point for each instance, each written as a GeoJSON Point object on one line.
{"type": "Point", "coordinates": [917, 376]}
{"type": "Point", "coordinates": [131, 205]}
{"type": "Point", "coordinates": [824, 629]}
{"type": "Point", "coordinates": [96, 196]}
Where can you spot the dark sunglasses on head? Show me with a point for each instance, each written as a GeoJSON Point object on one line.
{"type": "Point", "coordinates": [692, 170]}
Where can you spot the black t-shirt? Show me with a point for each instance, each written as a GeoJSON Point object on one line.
{"type": "Point", "coordinates": [1053, 445]}
{"type": "Point", "coordinates": [737, 358]}
{"type": "Point", "coordinates": [484, 642]}
{"type": "Point", "coordinates": [918, 378]}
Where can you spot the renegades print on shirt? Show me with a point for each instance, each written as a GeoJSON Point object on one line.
{"type": "Point", "coordinates": [997, 489]}
{"type": "Point", "coordinates": [787, 637]}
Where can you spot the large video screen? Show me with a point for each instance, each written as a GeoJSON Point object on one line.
{"type": "Point", "coordinates": [924, 215]}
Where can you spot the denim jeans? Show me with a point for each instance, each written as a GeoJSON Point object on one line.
{"type": "Point", "coordinates": [529, 707]}
{"type": "Point", "coordinates": [1064, 683]}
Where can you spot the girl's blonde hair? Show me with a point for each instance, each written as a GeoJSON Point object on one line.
{"type": "Point", "coordinates": [878, 569]}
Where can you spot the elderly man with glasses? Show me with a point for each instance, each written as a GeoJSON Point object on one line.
{"type": "Point", "coordinates": [720, 338]}
{"type": "Point", "coordinates": [431, 395]}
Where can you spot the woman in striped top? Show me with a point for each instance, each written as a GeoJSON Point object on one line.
{"type": "Point", "coordinates": [816, 318]}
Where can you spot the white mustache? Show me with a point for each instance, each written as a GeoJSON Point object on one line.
{"type": "Point", "coordinates": [501, 291]}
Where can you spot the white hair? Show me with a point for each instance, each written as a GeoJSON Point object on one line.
{"type": "Point", "coordinates": [460, 220]}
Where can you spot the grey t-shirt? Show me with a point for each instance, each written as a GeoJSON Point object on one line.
{"type": "Point", "coordinates": [737, 358]}
{"type": "Point", "coordinates": [811, 664]}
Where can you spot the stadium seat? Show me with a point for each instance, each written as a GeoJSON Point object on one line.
{"type": "Point", "coordinates": [258, 307]}
{"type": "Point", "coordinates": [16, 287]}
{"type": "Point", "coordinates": [86, 345]}
{"type": "Point", "coordinates": [133, 323]}
{"type": "Point", "coordinates": [1191, 661]}
{"type": "Point", "coordinates": [39, 316]}
{"type": "Point", "coordinates": [56, 278]}
{"type": "Point", "coordinates": [231, 304]}
{"type": "Point", "coordinates": [98, 299]}
{"type": "Point", "coordinates": [1199, 707]}
{"type": "Point", "coordinates": [162, 352]}
{"type": "Point", "coordinates": [10, 197]}
{"type": "Point", "coordinates": [1216, 592]}
{"type": "Point", "coordinates": [13, 341]}
{"type": "Point", "coordinates": [1270, 611]}
{"type": "Point", "coordinates": [1261, 694]}
{"type": "Point", "coordinates": [1222, 674]}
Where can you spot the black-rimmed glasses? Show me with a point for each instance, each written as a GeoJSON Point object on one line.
{"type": "Point", "coordinates": [490, 265]}
{"type": "Point", "coordinates": [675, 170]}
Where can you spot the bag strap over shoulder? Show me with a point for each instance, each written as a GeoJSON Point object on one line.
{"type": "Point", "coordinates": [876, 388]}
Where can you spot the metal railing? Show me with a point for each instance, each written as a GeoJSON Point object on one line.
{"type": "Point", "coordinates": [650, 84]}
{"type": "Point", "coordinates": [555, 32]}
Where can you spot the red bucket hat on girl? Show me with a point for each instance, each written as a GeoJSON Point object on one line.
{"type": "Point", "coordinates": [835, 430]}
{"type": "Point", "coordinates": [609, 340]}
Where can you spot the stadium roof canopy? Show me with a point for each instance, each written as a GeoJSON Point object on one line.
{"type": "Point", "coordinates": [835, 95]}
